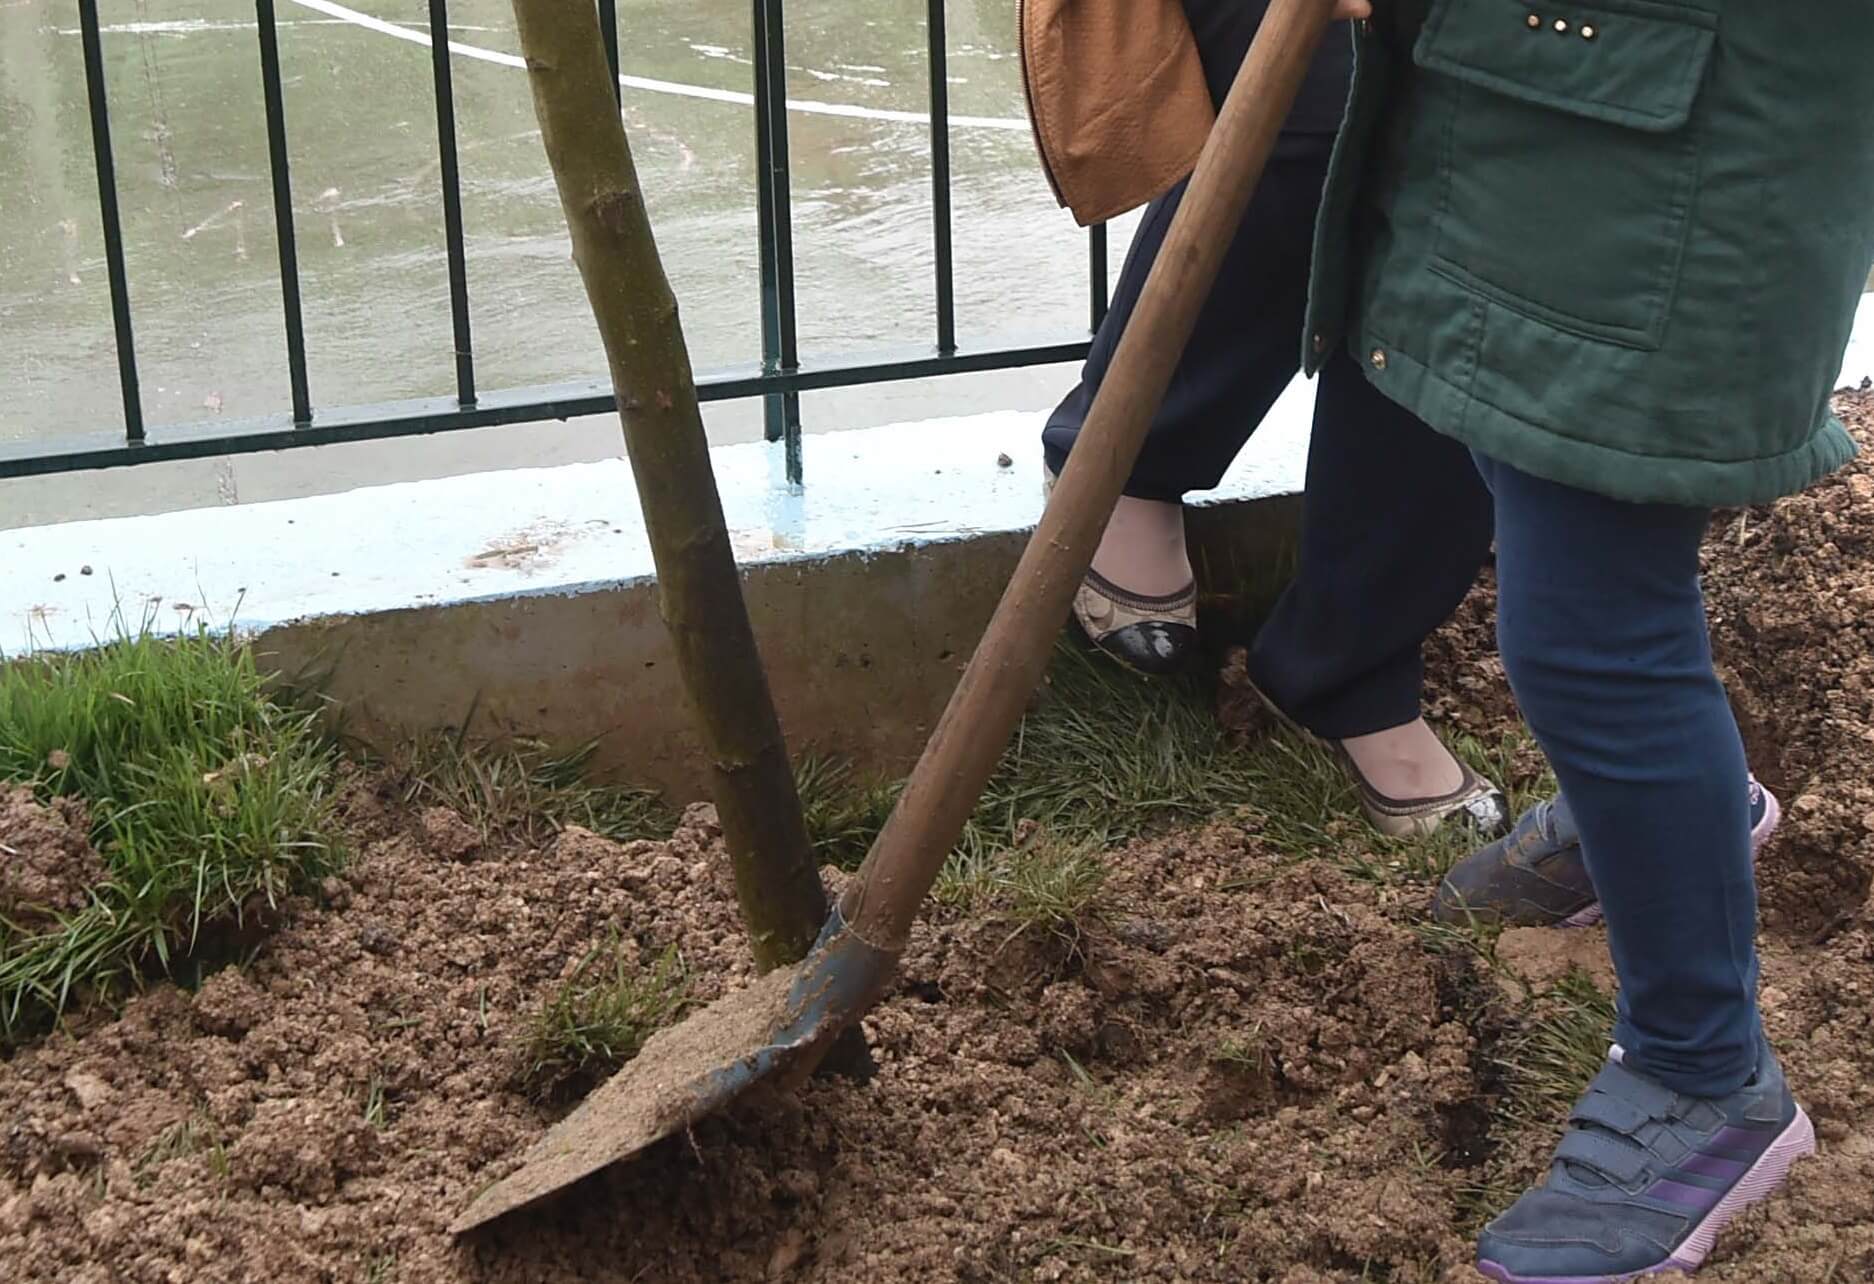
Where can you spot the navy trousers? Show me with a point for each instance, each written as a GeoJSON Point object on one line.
{"type": "Point", "coordinates": [1601, 622]}
{"type": "Point", "coordinates": [1395, 521]}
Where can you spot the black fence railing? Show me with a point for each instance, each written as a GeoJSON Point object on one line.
{"type": "Point", "coordinates": [779, 378]}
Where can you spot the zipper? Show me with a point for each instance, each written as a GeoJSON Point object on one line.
{"type": "Point", "coordinates": [1028, 95]}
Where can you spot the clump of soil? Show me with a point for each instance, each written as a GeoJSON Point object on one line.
{"type": "Point", "coordinates": [47, 864]}
{"type": "Point", "coordinates": [1243, 1068]}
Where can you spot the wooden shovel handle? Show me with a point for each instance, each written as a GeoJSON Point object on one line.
{"type": "Point", "coordinates": [994, 691]}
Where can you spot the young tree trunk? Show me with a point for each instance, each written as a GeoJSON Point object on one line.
{"type": "Point", "coordinates": [699, 591]}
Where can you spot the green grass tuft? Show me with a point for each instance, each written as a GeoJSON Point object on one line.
{"type": "Point", "coordinates": [524, 791]}
{"type": "Point", "coordinates": [1547, 1060]}
{"type": "Point", "coordinates": [844, 811]}
{"type": "Point", "coordinates": [1540, 1064]}
{"type": "Point", "coordinates": [602, 1016]}
{"type": "Point", "coordinates": [209, 804]}
{"type": "Point", "coordinates": [196, 1135]}
{"type": "Point", "coordinates": [1109, 755]}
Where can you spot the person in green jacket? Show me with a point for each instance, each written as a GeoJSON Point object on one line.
{"type": "Point", "coordinates": [1615, 248]}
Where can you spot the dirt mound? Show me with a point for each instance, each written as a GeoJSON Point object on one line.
{"type": "Point", "coordinates": [46, 860]}
{"type": "Point", "coordinates": [1237, 1068]}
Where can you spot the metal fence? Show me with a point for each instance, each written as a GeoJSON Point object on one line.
{"type": "Point", "coordinates": [779, 378]}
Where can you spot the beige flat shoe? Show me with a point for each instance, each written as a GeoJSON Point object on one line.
{"type": "Point", "coordinates": [1153, 635]}
{"type": "Point", "coordinates": [1475, 801]}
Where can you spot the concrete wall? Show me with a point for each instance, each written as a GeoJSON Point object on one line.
{"type": "Point", "coordinates": [862, 651]}
{"type": "Point", "coordinates": [528, 597]}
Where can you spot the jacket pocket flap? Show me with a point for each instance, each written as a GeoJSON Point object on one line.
{"type": "Point", "coordinates": [1630, 63]}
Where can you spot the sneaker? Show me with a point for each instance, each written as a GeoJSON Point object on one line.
{"type": "Point", "coordinates": [1536, 877]}
{"type": "Point", "coordinates": [1645, 1179]}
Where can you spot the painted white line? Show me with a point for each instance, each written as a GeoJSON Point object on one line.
{"type": "Point", "coordinates": [805, 107]}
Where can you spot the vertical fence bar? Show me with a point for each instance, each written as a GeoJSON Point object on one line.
{"type": "Point", "coordinates": [283, 210]}
{"type": "Point", "coordinates": [780, 346]}
{"type": "Point", "coordinates": [608, 27]}
{"type": "Point", "coordinates": [940, 180]}
{"type": "Point", "coordinates": [113, 223]}
{"type": "Point", "coordinates": [452, 201]}
{"type": "Point", "coordinates": [1099, 296]}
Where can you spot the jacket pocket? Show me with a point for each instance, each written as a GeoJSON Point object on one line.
{"type": "Point", "coordinates": [1570, 155]}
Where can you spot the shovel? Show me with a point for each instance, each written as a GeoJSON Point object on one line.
{"type": "Point", "coordinates": [778, 1029]}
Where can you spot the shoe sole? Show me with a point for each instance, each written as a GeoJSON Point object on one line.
{"type": "Point", "coordinates": [1763, 1180]}
{"type": "Point", "coordinates": [1772, 816]}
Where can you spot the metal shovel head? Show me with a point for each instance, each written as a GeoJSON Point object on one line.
{"type": "Point", "coordinates": [696, 1068]}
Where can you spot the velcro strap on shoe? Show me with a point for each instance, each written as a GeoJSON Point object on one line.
{"type": "Point", "coordinates": [1610, 1112]}
{"type": "Point", "coordinates": [1619, 1161]}
{"type": "Point", "coordinates": [1654, 1098]}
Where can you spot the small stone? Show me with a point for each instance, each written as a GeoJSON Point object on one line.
{"type": "Point", "coordinates": [787, 1253]}
{"type": "Point", "coordinates": [90, 1090]}
{"type": "Point", "coordinates": [335, 894]}
{"type": "Point", "coordinates": [1003, 461]}
{"type": "Point", "coordinates": [84, 570]}
{"type": "Point", "coordinates": [58, 760]}
{"type": "Point", "coordinates": [59, 578]}
{"type": "Point", "coordinates": [1807, 805]}
{"type": "Point", "coordinates": [375, 938]}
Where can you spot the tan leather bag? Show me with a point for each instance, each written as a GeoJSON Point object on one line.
{"type": "Point", "coordinates": [1117, 98]}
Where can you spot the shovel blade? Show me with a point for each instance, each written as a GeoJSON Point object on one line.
{"type": "Point", "coordinates": [696, 1068]}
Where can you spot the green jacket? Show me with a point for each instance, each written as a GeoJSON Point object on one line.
{"type": "Point", "coordinates": [1616, 244]}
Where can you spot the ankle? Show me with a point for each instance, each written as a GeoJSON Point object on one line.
{"type": "Point", "coordinates": [1142, 550]}
{"type": "Point", "coordinates": [1405, 762]}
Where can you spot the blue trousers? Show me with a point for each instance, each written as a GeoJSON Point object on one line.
{"type": "Point", "coordinates": [1601, 622]}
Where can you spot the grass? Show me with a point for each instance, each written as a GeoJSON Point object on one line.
{"type": "Point", "coordinates": [844, 811]}
{"type": "Point", "coordinates": [209, 804]}
{"type": "Point", "coordinates": [1041, 883]}
{"type": "Point", "coordinates": [524, 791]}
{"type": "Point", "coordinates": [192, 1136]}
{"type": "Point", "coordinates": [1108, 756]}
{"type": "Point", "coordinates": [1539, 1064]}
{"type": "Point", "coordinates": [1546, 1061]}
{"type": "Point", "coordinates": [601, 1017]}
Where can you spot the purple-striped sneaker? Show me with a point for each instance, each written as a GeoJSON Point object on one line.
{"type": "Point", "coordinates": [1645, 1179]}
{"type": "Point", "coordinates": [1535, 875]}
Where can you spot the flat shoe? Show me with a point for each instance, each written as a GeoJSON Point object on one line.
{"type": "Point", "coordinates": [1155, 635]}
{"type": "Point", "coordinates": [1475, 801]}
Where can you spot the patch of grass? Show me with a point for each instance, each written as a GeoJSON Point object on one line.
{"type": "Point", "coordinates": [525, 791]}
{"type": "Point", "coordinates": [1042, 883]}
{"type": "Point", "coordinates": [192, 1136]}
{"type": "Point", "coordinates": [209, 804]}
{"type": "Point", "coordinates": [1547, 1060]}
{"type": "Point", "coordinates": [1105, 756]}
{"type": "Point", "coordinates": [1054, 887]}
{"type": "Point", "coordinates": [843, 810]}
{"type": "Point", "coordinates": [1540, 1064]}
{"type": "Point", "coordinates": [970, 877]}
{"type": "Point", "coordinates": [376, 1104]}
{"type": "Point", "coordinates": [1108, 756]}
{"type": "Point", "coordinates": [602, 1016]}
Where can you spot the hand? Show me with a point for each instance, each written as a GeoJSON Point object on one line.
{"type": "Point", "coordinates": [1352, 9]}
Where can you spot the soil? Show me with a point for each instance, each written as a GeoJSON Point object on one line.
{"type": "Point", "coordinates": [46, 861]}
{"type": "Point", "coordinates": [1247, 1069]}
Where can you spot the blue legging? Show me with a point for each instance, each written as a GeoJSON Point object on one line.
{"type": "Point", "coordinates": [1601, 622]}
